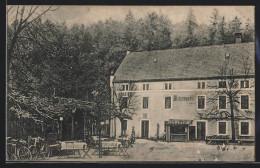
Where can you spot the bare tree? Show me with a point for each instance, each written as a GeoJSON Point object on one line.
{"type": "Point", "coordinates": [125, 104]}
{"type": "Point", "coordinates": [231, 91]}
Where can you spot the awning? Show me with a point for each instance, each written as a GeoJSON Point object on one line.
{"type": "Point", "coordinates": [178, 122]}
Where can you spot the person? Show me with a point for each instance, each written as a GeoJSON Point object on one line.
{"type": "Point", "coordinates": [133, 135]}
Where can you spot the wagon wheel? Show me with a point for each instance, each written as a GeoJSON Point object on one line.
{"type": "Point", "coordinates": [24, 153]}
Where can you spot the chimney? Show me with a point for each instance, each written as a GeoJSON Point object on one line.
{"type": "Point", "coordinates": [128, 52]}
{"type": "Point", "coordinates": [238, 37]}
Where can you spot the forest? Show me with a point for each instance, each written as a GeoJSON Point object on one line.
{"type": "Point", "coordinates": [53, 68]}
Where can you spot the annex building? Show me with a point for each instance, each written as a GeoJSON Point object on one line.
{"type": "Point", "coordinates": [181, 92]}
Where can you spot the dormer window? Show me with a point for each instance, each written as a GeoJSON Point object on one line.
{"type": "Point", "coordinates": [168, 86]}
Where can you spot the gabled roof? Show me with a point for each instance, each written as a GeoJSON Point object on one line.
{"type": "Point", "coordinates": [186, 63]}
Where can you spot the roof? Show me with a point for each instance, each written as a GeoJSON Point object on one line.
{"type": "Point", "coordinates": [186, 63]}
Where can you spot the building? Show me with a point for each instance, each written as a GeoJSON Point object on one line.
{"type": "Point", "coordinates": [179, 92]}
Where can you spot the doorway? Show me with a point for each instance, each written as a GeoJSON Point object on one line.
{"type": "Point", "coordinates": [192, 133]}
{"type": "Point", "coordinates": [201, 130]}
{"type": "Point", "coordinates": [145, 129]}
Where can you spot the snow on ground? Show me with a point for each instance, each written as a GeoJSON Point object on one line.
{"type": "Point", "coordinates": [147, 150]}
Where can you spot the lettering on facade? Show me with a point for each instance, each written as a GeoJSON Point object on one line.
{"type": "Point", "coordinates": [183, 98]}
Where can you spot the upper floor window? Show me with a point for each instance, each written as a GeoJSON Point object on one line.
{"type": "Point", "coordinates": [124, 102]}
{"type": "Point", "coordinates": [222, 84]}
{"type": "Point", "coordinates": [145, 102]}
{"type": "Point", "coordinates": [201, 85]}
{"type": "Point", "coordinates": [145, 86]}
{"type": "Point", "coordinates": [168, 86]}
{"type": "Point", "coordinates": [244, 102]}
{"type": "Point", "coordinates": [222, 104]}
{"type": "Point", "coordinates": [168, 102]}
{"type": "Point", "coordinates": [201, 102]}
{"type": "Point", "coordinates": [125, 87]}
{"type": "Point", "coordinates": [244, 84]}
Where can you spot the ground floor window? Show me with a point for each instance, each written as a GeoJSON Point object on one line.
{"type": "Point", "coordinates": [244, 128]}
{"type": "Point", "coordinates": [222, 128]}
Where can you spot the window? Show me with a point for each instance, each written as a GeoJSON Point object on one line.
{"type": "Point", "coordinates": [244, 128]}
{"type": "Point", "coordinates": [168, 86]}
{"type": "Point", "coordinates": [124, 102]}
{"type": "Point", "coordinates": [222, 84]}
{"type": "Point", "coordinates": [145, 86]}
{"type": "Point", "coordinates": [244, 84]}
{"type": "Point", "coordinates": [201, 102]}
{"type": "Point", "coordinates": [167, 102]}
{"type": "Point", "coordinates": [222, 104]}
{"type": "Point", "coordinates": [125, 87]}
{"type": "Point", "coordinates": [201, 85]}
{"type": "Point", "coordinates": [145, 102]}
{"type": "Point", "coordinates": [244, 102]}
{"type": "Point", "coordinates": [222, 128]}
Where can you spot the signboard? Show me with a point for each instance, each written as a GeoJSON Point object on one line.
{"type": "Point", "coordinates": [178, 122]}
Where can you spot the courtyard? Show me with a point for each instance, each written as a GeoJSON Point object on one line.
{"type": "Point", "coordinates": [152, 151]}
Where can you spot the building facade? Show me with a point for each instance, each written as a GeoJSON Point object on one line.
{"type": "Point", "coordinates": [182, 93]}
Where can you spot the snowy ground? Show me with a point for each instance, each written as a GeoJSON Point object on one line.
{"type": "Point", "coordinates": [147, 150]}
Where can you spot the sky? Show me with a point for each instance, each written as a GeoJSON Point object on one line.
{"type": "Point", "coordinates": [90, 14]}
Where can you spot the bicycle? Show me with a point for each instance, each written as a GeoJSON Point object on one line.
{"type": "Point", "coordinates": [23, 152]}
{"type": "Point", "coordinates": [11, 151]}
{"type": "Point", "coordinates": [39, 148]}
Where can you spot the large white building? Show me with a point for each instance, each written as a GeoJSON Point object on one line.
{"type": "Point", "coordinates": [179, 92]}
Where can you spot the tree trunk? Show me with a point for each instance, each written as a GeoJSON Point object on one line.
{"type": "Point", "coordinates": [232, 119]}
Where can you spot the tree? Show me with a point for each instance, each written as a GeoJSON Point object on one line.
{"type": "Point", "coordinates": [248, 34]}
{"type": "Point", "coordinates": [190, 39]}
{"type": "Point", "coordinates": [124, 104]}
{"type": "Point", "coordinates": [233, 27]}
{"type": "Point", "coordinates": [221, 32]}
{"type": "Point", "coordinates": [231, 91]}
{"type": "Point", "coordinates": [213, 27]}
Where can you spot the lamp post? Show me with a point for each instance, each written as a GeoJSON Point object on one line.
{"type": "Point", "coordinates": [61, 119]}
{"type": "Point", "coordinates": [72, 124]}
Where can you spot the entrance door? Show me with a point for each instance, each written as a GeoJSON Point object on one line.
{"type": "Point", "coordinates": [201, 130]}
{"type": "Point", "coordinates": [191, 133]}
{"type": "Point", "coordinates": [145, 129]}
